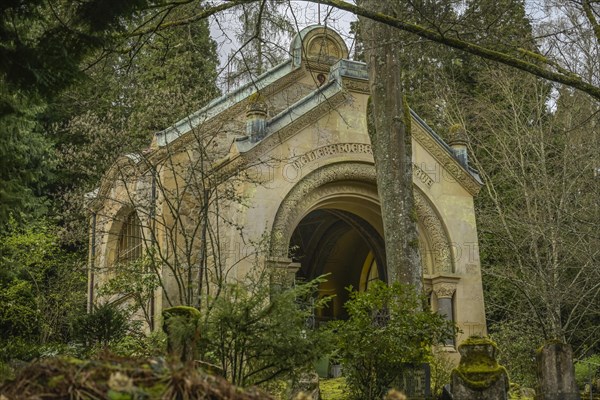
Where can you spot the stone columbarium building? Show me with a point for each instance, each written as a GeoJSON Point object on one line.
{"type": "Point", "coordinates": [281, 171]}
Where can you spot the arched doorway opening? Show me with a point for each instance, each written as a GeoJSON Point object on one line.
{"type": "Point", "coordinates": [341, 245]}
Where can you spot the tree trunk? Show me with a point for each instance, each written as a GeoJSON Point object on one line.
{"type": "Point", "coordinates": [389, 130]}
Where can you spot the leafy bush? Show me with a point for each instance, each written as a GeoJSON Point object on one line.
{"type": "Point", "coordinates": [106, 324]}
{"type": "Point", "coordinates": [42, 290]}
{"type": "Point", "coordinates": [387, 330]}
{"type": "Point", "coordinates": [441, 370]}
{"type": "Point", "coordinates": [517, 343]}
{"type": "Point", "coordinates": [257, 331]}
{"type": "Point", "coordinates": [588, 368]}
{"type": "Point", "coordinates": [140, 345]}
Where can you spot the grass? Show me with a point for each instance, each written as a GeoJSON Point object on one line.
{"type": "Point", "coordinates": [334, 389]}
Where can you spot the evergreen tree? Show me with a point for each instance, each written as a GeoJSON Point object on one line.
{"type": "Point", "coordinates": [122, 102]}
{"type": "Point", "coordinates": [41, 47]}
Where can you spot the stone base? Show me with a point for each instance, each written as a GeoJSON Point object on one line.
{"type": "Point", "coordinates": [461, 390]}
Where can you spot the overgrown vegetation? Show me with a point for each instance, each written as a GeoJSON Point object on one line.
{"type": "Point", "coordinates": [257, 332]}
{"type": "Point", "coordinates": [121, 378]}
{"type": "Point", "coordinates": [387, 332]}
{"type": "Point", "coordinates": [42, 291]}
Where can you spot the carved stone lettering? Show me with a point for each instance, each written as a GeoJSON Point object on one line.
{"type": "Point", "coordinates": [422, 176]}
{"type": "Point", "coordinates": [330, 150]}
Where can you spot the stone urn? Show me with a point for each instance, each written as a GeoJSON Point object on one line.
{"type": "Point", "coordinates": [478, 375]}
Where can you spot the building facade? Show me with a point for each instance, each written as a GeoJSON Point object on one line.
{"type": "Point", "coordinates": [281, 170]}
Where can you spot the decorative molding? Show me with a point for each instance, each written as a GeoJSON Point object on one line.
{"type": "Point", "coordinates": [274, 139]}
{"type": "Point", "coordinates": [212, 125]}
{"type": "Point", "coordinates": [449, 163]}
{"type": "Point", "coordinates": [355, 85]}
{"type": "Point", "coordinates": [444, 290]}
{"type": "Point", "coordinates": [436, 232]}
{"type": "Point", "coordinates": [312, 188]}
{"type": "Point", "coordinates": [349, 176]}
{"type": "Point", "coordinates": [330, 150]}
{"type": "Point", "coordinates": [422, 176]}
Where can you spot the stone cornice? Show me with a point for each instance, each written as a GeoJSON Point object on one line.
{"type": "Point", "coordinates": [212, 125]}
{"type": "Point", "coordinates": [446, 160]}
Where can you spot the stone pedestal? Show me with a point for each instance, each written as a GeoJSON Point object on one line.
{"type": "Point", "coordinates": [479, 376]}
{"type": "Point", "coordinates": [556, 373]}
{"type": "Point", "coordinates": [182, 326]}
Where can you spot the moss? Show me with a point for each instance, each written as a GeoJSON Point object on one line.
{"type": "Point", "coordinates": [478, 341]}
{"type": "Point", "coordinates": [114, 395]}
{"type": "Point", "coordinates": [156, 391]}
{"type": "Point", "coordinates": [548, 342]}
{"type": "Point", "coordinates": [533, 55]}
{"type": "Point", "coordinates": [480, 380]}
{"type": "Point", "coordinates": [182, 311]}
{"type": "Point", "coordinates": [413, 215]}
{"type": "Point", "coordinates": [454, 129]}
{"type": "Point", "coordinates": [334, 389]}
{"type": "Point", "coordinates": [55, 381]}
{"type": "Point", "coordinates": [255, 97]}
{"type": "Point", "coordinates": [371, 120]}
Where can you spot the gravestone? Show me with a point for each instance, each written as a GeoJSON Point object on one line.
{"type": "Point", "coordinates": [414, 381]}
{"type": "Point", "coordinates": [556, 373]}
{"type": "Point", "coordinates": [307, 387]}
{"type": "Point", "coordinates": [478, 375]}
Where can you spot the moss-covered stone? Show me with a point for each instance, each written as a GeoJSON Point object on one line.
{"type": "Point", "coordinates": [182, 326]}
{"type": "Point", "coordinates": [478, 369]}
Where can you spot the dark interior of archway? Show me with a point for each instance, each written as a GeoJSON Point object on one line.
{"type": "Point", "coordinates": [337, 243]}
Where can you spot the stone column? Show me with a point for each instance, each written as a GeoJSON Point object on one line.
{"type": "Point", "coordinates": [444, 292]}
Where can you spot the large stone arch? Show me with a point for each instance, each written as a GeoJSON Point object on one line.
{"type": "Point", "coordinates": [351, 186]}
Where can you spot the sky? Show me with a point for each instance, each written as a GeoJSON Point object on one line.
{"type": "Point", "coordinates": [302, 13]}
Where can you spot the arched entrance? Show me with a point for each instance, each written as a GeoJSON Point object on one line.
{"type": "Point", "coordinates": [341, 245]}
{"type": "Point", "coordinates": [330, 222]}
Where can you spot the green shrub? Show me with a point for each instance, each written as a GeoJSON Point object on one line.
{"type": "Point", "coordinates": [387, 331]}
{"type": "Point", "coordinates": [139, 345]}
{"type": "Point", "coordinates": [257, 331]}
{"type": "Point", "coordinates": [104, 325]}
{"type": "Point", "coordinates": [517, 343]}
{"type": "Point", "coordinates": [587, 368]}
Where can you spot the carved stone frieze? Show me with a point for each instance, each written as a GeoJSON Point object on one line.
{"type": "Point", "coordinates": [309, 191]}
{"type": "Point", "coordinates": [355, 85]}
{"type": "Point", "coordinates": [444, 290]}
{"type": "Point", "coordinates": [434, 229]}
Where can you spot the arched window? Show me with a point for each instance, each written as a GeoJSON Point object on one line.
{"type": "Point", "coordinates": [130, 240]}
{"type": "Point", "coordinates": [370, 273]}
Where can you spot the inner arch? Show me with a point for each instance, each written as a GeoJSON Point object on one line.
{"type": "Point", "coordinates": [342, 245]}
